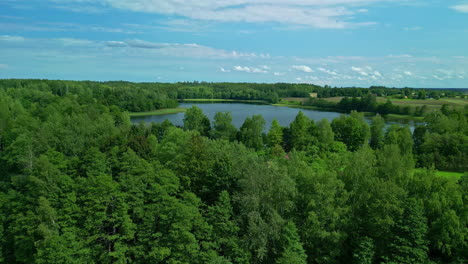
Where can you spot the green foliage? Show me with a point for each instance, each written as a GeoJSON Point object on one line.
{"type": "Point", "coordinates": [301, 131]}
{"type": "Point", "coordinates": [226, 231]}
{"type": "Point", "coordinates": [223, 127]}
{"type": "Point", "coordinates": [410, 242]}
{"type": "Point", "coordinates": [351, 130]}
{"type": "Point", "coordinates": [364, 251]}
{"type": "Point", "coordinates": [325, 135]}
{"type": "Point", "coordinates": [264, 200]}
{"type": "Point", "coordinates": [443, 142]}
{"type": "Point", "coordinates": [275, 135]}
{"type": "Point", "coordinates": [293, 252]}
{"type": "Point", "coordinates": [80, 184]}
{"type": "Point", "coordinates": [194, 119]}
{"type": "Point", "coordinates": [400, 136]}
{"type": "Point", "coordinates": [251, 132]}
{"type": "Point", "coordinates": [377, 132]}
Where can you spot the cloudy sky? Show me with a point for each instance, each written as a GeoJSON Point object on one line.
{"type": "Point", "coordinates": [418, 43]}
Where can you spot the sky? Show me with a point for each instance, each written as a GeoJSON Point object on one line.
{"type": "Point", "coordinates": [395, 43]}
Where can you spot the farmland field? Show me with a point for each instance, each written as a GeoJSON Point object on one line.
{"type": "Point", "coordinates": [431, 103]}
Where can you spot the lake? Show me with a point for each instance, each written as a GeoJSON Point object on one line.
{"type": "Point", "coordinates": [240, 111]}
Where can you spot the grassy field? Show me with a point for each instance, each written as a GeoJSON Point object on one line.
{"type": "Point", "coordinates": [446, 174]}
{"type": "Point", "coordinates": [430, 103]}
{"type": "Point", "coordinates": [295, 99]}
{"type": "Point", "coordinates": [298, 106]}
{"type": "Point", "coordinates": [160, 112]}
{"type": "Point", "coordinates": [401, 117]}
{"type": "Point", "coordinates": [336, 99]}
{"type": "Point", "coordinates": [224, 100]}
{"type": "Point", "coordinates": [449, 174]}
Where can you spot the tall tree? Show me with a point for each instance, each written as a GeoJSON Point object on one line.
{"type": "Point", "coordinates": [223, 127]}
{"type": "Point", "coordinates": [364, 251]}
{"type": "Point", "coordinates": [251, 132]}
{"type": "Point", "coordinates": [352, 130]}
{"type": "Point", "coordinates": [300, 130]}
{"type": "Point", "coordinates": [194, 119]}
{"type": "Point", "coordinates": [226, 230]}
{"type": "Point", "coordinates": [377, 132]}
{"type": "Point", "coordinates": [410, 242]}
{"type": "Point", "coordinates": [325, 135]}
{"type": "Point", "coordinates": [293, 252]}
{"type": "Point", "coordinates": [275, 135]}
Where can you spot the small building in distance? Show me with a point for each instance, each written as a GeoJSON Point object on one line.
{"type": "Point", "coordinates": [313, 95]}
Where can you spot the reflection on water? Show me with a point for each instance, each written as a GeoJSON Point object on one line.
{"type": "Point", "coordinates": [241, 111]}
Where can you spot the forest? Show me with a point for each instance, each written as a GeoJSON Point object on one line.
{"type": "Point", "coordinates": [79, 183]}
{"type": "Point", "coordinates": [142, 97]}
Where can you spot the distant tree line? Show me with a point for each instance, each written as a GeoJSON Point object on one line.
{"type": "Point", "coordinates": [139, 97]}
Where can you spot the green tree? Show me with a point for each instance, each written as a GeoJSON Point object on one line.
{"type": "Point", "coordinates": [300, 130]}
{"type": "Point", "coordinates": [223, 127]}
{"type": "Point", "coordinates": [194, 119]}
{"type": "Point", "coordinates": [364, 251]}
{"type": "Point", "coordinates": [251, 132]}
{"type": "Point", "coordinates": [352, 130]}
{"type": "Point", "coordinates": [410, 242]}
{"type": "Point", "coordinates": [400, 136]}
{"type": "Point", "coordinates": [377, 132]}
{"type": "Point", "coordinates": [275, 135]}
{"type": "Point", "coordinates": [226, 230]}
{"type": "Point", "coordinates": [293, 253]}
{"type": "Point", "coordinates": [325, 135]}
{"type": "Point", "coordinates": [265, 198]}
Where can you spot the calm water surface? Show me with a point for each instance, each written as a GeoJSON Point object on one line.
{"type": "Point", "coordinates": [240, 112]}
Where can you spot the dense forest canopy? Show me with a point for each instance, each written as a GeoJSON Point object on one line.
{"type": "Point", "coordinates": [138, 97]}
{"type": "Point", "coordinates": [80, 184]}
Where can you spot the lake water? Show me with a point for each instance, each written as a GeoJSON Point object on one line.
{"type": "Point", "coordinates": [240, 111]}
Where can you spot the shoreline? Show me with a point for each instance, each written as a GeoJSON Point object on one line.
{"type": "Point", "coordinates": [168, 111]}
{"type": "Point", "coordinates": [165, 111]}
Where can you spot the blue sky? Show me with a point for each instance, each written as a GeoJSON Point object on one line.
{"type": "Point", "coordinates": [335, 42]}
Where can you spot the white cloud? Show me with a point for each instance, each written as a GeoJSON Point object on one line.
{"type": "Point", "coordinates": [438, 77]}
{"type": "Point", "coordinates": [81, 9]}
{"type": "Point", "coordinates": [61, 27]}
{"type": "Point", "coordinates": [249, 69]}
{"type": "Point", "coordinates": [178, 25]}
{"type": "Point", "coordinates": [378, 74]}
{"type": "Point", "coordinates": [408, 73]}
{"type": "Point", "coordinates": [463, 8]}
{"type": "Point", "coordinates": [116, 44]}
{"type": "Point", "coordinates": [412, 28]}
{"type": "Point", "coordinates": [303, 68]}
{"type": "Point", "coordinates": [311, 13]}
{"type": "Point", "coordinates": [327, 71]}
{"type": "Point", "coordinates": [185, 50]}
{"type": "Point", "coordinates": [359, 70]}
{"type": "Point", "coordinates": [279, 73]}
{"type": "Point", "coordinates": [75, 42]}
{"type": "Point", "coordinates": [400, 56]}
{"type": "Point", "coordinates": [313, 78]}
{"type": "Point", "coordinates": [221, 69]}
{"type": "Point", "coordinates": [11, 38]}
